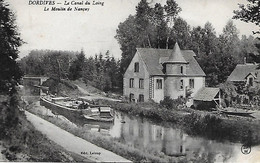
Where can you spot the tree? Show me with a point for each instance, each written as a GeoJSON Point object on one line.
{"type": "Point", "coordinates": [10, 40]}
{"type": "Point", "coordinates": [181, 33]}
{"type": "Point", "coordinates": [249, 13]}
{"type": "Point", "coordinates": [33, 63]}
{"type": "Point", "coordinates": [127, 37]}
{"type": "Point", "coordinates": [225, 56]}
{"type": "Point", "coordinates": [76, 68]}
{"type": "Point", "coordinates": [89, 70]}
{"type": "Point", "coordinates": [229, 42]}
{"type": "Point", "coordinates": [10, 72]}
{"type": "Point", "coordinates": [197, 39]}
{"type": "Point", "coordinates": [210, 39]}
{"type": "Point", "coordinates": [159, 34]}
{"type": "Point", "coordinates": [148, 28]}
{"type": "Point", "coordinates": [57, 64]}
{"type": "Point", "coordinates": [172, 10]}
{"type": "Point", "coordinates": [248, 49]}
{"type": "Point", "coordinates": [143, 25]}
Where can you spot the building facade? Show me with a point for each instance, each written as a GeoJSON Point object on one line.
{"type": "Point", "coordinates": [157, 73]}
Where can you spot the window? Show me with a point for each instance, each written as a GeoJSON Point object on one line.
{"type": "Point", "coordinates": [131, 97]}
{"type": "Point", "coordinates": [141, 98]}
{"type": "Point", "coordinates": [131, 83]}
{"type": "Point", "coordinates": [158, 83]}
{"type": "Point", "coordinates": [250, 81]}
{"type": "Point", "coordinates": [191, 83]}
{"type": "Point", "coordinates": [181, 69]}
{"type": "Point", "coordinates": [141, 83]}
{"type": "Point", "coordinates": [181, 84]}
{"type": "Point", "coordinates": [136, 66]}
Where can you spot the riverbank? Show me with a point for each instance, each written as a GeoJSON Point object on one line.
{"type": "Point", "coordinates": [20, 141]}
{"type": "Point", "coordinates": [73, 143]}
{"type": "Point", "coordinates": [212, 125]}
{"type": "Point", "coordinates": [112, 144]}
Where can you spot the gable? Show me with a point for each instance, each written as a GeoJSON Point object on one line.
{"type": "Point", "coordinates": [142, 68]}
{"type": "Point", "coordinates": [251, 74]}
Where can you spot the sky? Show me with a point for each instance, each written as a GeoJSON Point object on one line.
{"type": "Point", "coordinates": [94, 31]}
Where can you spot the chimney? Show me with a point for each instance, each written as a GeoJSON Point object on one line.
{"type": "Point", "coordinates": [245, 60]}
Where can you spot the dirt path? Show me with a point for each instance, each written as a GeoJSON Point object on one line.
{"type": "Point", "coordinates": [82, 90]}
{"type": "Point", "coordinates": [73, 143]}
{"type": "Point", "coordinates": [91, 96]}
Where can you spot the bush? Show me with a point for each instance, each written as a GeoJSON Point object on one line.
{"type": "Point", "coordinates": [169, 103]}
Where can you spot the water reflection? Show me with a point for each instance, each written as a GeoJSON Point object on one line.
{"type": "Point", "coordinates": [147, 136]}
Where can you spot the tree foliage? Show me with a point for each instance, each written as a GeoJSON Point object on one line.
{"type": "Point", "coordinates": [10, 40]}
{"type": "Point", "coordinates": [10, 72]}
{"type": "Point", "coordinates": [154, 26]}
{"type": "Point", "coordinates": [249, 13]}
{"type": "Point", "coordinates": [149, 28]}
{"type": "Point", "coordinates": [160, 27]}
{"type": "Point", "coordinates": [101, 71]}
{"type": "Point", "coordinates": [52, 63]}
{"type": "Point", "coordinates": [76, 68]}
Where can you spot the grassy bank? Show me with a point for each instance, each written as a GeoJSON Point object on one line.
{"type": "Point", "coordinates": [20, 141]}
{"type": "Point", "coordinates": [211, 125]}
{"type": "Point", "coordinates": [106, 142]}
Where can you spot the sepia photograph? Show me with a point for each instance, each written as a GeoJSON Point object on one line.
{"type": "Point", "coordinates": [130, 81]}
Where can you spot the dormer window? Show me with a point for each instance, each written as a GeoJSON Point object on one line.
{"type": "Point", "coordinates": [136, 66]}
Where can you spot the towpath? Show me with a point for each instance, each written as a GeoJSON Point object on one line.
{"type": "Point", "coordinates": [73, 143]}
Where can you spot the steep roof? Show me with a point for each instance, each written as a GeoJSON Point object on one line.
{"type": "Point", "coordinates": [241, 71]}
{"type": "Point", "coordinates": [206, 94]}
{"type": "Point", "coordinates": [154, 57]}
{"type": "Point", "coordinates": [176, 55]}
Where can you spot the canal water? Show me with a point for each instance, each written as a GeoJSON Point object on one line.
{"type": "Point", "coordinates": [143, 134]}
{"type": "Point", "coordinates": [148, 136]}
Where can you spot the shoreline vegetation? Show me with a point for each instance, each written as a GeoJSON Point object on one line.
{"type": "Point", "coordinates": [211, 125]}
